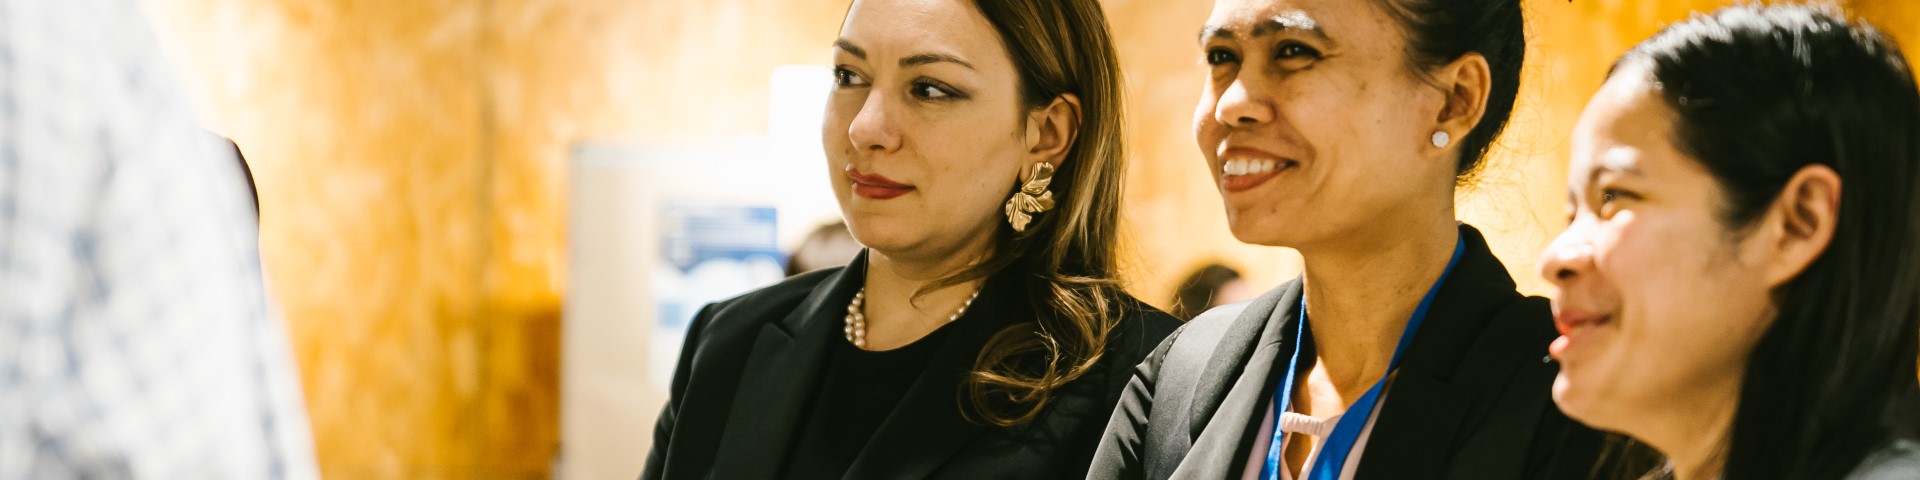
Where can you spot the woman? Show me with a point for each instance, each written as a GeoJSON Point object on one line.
{"type": "Point", "coordinates": [1740, 284]}
{"type": "Point", "coordinates": [975, 148]}
{"type": "Point", "coordinates": [1340, 128]}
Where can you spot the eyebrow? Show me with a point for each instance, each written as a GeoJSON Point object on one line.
{"type": "Point", "coordinates": [927, 58]}
{"type": "Point", "coordinates": [857, 52]}
{"type": "Point", "coordinates": [910, 61]}
{"type": "Point", "coordinates": [1608, 163]}
{"type": "Point", "coordinates": [1291, 21]}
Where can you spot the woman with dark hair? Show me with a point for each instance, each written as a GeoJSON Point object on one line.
{"type": "Point", "coordinates": [975, 147]}
{"type": "Point", "coordinates": [1341, 128]}
{"type": "Point", "coordinates": [1739, 287]}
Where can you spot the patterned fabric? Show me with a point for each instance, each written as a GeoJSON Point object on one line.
{"type": "Point", "coordinates": [136, 340]}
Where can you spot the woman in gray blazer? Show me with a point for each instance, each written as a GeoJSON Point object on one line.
{"type": "Point", "coordinates": [1340, 129]}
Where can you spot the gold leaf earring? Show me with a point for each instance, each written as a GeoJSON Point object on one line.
{"type": "Point", "coordinates": [1032, 198]}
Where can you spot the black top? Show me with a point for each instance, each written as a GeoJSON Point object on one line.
{"type": "Point", "coordinates": [1471, 399]}
{"type": "Point", "coordinates": [858, 392]}
{"type": "Point", "coordinates": [740, 394]}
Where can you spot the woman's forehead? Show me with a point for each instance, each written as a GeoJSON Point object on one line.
{"type": "Point", "coordinates": [895, 30]}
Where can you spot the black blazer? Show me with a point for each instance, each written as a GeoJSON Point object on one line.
{"type": "Point", "coordinates": [1472, 399]}
{"type": "Point", "coordinates": [751, 365]}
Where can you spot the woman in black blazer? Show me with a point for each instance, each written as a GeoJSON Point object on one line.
{"type": "Point", "coordinates": [1341, 129]}
{"type": "Point", "coordinates": [975, 150]}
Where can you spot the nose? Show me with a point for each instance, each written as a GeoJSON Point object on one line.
{"type": "Point", "coordinates": [1243, 105]}
{"type": "Point", "coordinates": [1568, 257]}
{"type": "Point", "coordinates": [872, 128]}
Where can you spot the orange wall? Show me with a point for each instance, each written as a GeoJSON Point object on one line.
{"type": "Point", "coordinates": [410, 158]}
{"type": "Point", "coordinates": [406, 156]}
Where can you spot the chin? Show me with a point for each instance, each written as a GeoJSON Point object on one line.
{"type": "Point", "coordinates": [874, 232]}
{"type": "Point", "coordinates": [1258, 231]}
{"type": "Point", "coordinates": [1578, 403]}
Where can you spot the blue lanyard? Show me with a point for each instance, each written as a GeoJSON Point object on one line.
{"type": "Point", "coordinates": [1333, 452]}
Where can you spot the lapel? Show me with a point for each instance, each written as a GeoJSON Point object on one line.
{"type": "Point", "coordinates": [781, 374]}
{"type": "Point", "coordinates": [1230, 397]}
{"type": "Point", "coordinates": [927, 428]}
{"type": "Point", "coordinates": [1433, 396]}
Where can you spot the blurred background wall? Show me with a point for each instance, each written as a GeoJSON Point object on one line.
{"type": "Point", "coordinates": [412, 162]}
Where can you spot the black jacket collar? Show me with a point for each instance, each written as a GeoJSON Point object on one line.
{"type": "Point", "coordinates": [1454, 361]}
{"type": "Point", "coordinates": [787, 361]}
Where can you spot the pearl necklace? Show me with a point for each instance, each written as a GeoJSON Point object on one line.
{"type": "Point", "coordinates": [857, 319]}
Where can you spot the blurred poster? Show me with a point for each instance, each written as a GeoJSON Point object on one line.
{"type": "Point", "coordinates": [710, 252]}
{"type": "Point", "coordinates": [656, 231]}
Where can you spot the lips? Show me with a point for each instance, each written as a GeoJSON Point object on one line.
{"type": "Point", "coordinates": [1243, 169]}
{"type": "Point", "coordinates": [1573, 325]}
{"type": "Point", "coordinates": [876, 186]}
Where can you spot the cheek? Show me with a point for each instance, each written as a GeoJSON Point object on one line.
{"type": "Point", "coordinates": [833, 127]}
{"type": "Point", "coordinates": [973, 165]}
{"type": "Point", "coordinates": [1207, 131]}
{"type": "Point", "coordinates": [1356, 129]}
{"type": "Point", "coordinates": [1687, 308]}
{"type": "Point", "coordinates": [838, 147]}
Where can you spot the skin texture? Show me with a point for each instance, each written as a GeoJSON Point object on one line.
{"type": "Point", "coordinates": [1322, 92]}
{"type": "Point", "coordinates": [927, 96]}
{"type": "Point", "coordinates": [1659, 302]}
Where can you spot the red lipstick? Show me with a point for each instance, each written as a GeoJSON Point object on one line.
{"type": "Point", "coordinates": [1571, 324]}
{"type": "Point", "coordinates": [876, 186]}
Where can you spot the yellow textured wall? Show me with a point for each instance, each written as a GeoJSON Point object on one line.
{"type": "Point", "coordinates": [410, 220]}
{"type": "Point", "coordinates": [410, 158]}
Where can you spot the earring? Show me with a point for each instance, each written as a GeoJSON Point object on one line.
{"type": "Point", "coordinates": [1440, 139]}
{"type": "Point", "coordinates": [1032, 198]}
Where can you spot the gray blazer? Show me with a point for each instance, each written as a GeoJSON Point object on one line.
{"type": "Point", "coordinates": [1471, 400]}
{"type": "Point", "coordinates": [1900, 461]}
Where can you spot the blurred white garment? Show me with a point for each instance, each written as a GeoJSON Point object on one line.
{"type": "Point", "coordinates": [136, 340]}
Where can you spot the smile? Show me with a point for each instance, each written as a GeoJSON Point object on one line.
{"type": "Point", "coordinates": [1242, 174]}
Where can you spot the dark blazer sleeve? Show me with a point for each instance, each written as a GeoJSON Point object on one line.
{"type": "Point", "coordinates": [1120, 452]}
{"type": "Point", "coordinates": [663, 428]}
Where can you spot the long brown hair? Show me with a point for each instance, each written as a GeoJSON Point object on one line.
{"type": "Point", "coordinates": [1066, 257]}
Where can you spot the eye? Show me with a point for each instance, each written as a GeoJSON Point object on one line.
{"type": "Point", "coordinates": [1289, 51]}
{"type": "Point", "coordinates": [1610, 199]}
{"type": "Point", "coordinates": [1611, 195]}
{"type": "Point", "coordinates": [1220, 56]}
{"type": "Point", "coordinates": [843, 78]}
{"type": "Point", "coordinates": [929, 90]}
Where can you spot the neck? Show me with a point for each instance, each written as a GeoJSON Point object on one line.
{"type": "Point", "coordinates": [1692, 428]}
{"type": "Point", "coordinates": [1361, 292]}
{"type": "Point", "coordinates": [896, 309]}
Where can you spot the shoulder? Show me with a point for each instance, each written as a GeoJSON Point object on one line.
{"type": "Point", "coordinates": [1209, 329]}
{"type": "Point", "coordinates": [1140, 328]}
{"type": "Point", "coordinates": [767, 304]}
{"type": "Point", "coordinates": [1900, 460]}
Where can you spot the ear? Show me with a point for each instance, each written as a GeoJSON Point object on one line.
{"type": "Point", "coordinates": [1051, 130]}
{"type": "Point", "coordinates": [1800, 224]}
{"type": "Point", "coordinates": [1467, 82]}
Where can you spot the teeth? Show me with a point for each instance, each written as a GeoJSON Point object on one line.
{"type": "Point", "coordinates": [1241, 166]}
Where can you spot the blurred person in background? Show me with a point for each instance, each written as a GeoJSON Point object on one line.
{"type": "Point", "coordinates": [1739, 287]}
{"type": "Point", "coordinates": [1210, 286]}
{"type": "Point", "coordinates": [975, 148]}
{"type": "Point", "coordinates": [1342, 129]}
{"type": "Point", "coordinates": [829, 246]}
{"type": "Point", "coordinates": [136, 340]}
